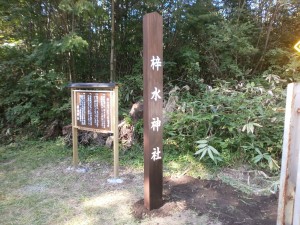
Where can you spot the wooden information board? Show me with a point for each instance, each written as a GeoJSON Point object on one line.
{"type": "Point", "coordinates": [95, 108]}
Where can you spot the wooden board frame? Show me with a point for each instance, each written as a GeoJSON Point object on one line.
{"type": "Point", "coordinates": [101, 87]}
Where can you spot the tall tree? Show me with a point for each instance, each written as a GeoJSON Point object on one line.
{"type": "Point", "coordinates": [112, 47]}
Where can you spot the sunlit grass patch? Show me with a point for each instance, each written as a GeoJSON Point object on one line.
{"type": "Point", "coordinates": [37, 186]}
{"type": "Point", "coordinates": [23, 200]}
{"type": "Point", "coordinates": [185, 164]}
{"type": "Point", "coordinates": [32, 154]}
{"type": "Point", "coordinates": [38, 208]}
{"type": "Point", "coordinates": [174, 163]}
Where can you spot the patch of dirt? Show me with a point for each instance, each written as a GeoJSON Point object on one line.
{"type": "Point", "coordinates": [215, 198]}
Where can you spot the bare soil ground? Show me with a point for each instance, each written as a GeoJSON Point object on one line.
{"type": "Point", "coordinates": [220, 202]}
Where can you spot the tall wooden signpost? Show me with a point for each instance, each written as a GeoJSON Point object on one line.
{"type": "Point", "coordinates": [153, 105]}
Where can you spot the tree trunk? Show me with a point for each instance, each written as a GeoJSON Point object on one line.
{"type": "Point", "coordinates": [270, 27]}
{"type": "Point", "coordinates": [112, 48]}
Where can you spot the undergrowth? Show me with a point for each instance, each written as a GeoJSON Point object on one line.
{"type": "Point", "coordinates": [230, 123]}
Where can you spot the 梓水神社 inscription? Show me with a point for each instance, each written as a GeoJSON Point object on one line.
{"type": "Point", "coordinates": [93, 110]}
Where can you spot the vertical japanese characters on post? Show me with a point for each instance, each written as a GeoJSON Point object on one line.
{"type": "Point", "coordinates": [156, 64]}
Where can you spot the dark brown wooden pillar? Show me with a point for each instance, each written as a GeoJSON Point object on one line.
{"type": "Point", "coordinates": [153, 105]}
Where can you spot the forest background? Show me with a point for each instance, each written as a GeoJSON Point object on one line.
{"type": "Point", "coordinates": [226, 67]}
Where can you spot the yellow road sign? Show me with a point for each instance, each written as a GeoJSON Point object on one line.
{"type": "Point", "coordinates": [297, 46]}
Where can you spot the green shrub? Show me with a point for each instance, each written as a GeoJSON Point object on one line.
{"type": "Point", "coordinates": [131, 86]}
{"type": "Point", "coordinates": [242, 121]}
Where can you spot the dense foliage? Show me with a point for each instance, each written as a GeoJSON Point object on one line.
{"type": "Point", "coordinates": [229, 123]}
{"type": "Point", "coordinates": [242, 49]}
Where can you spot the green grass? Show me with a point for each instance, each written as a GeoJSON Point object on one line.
{"type": "Point", "coordinates": [174, 163]}
{"type": "Point", "coordinates": [133, 157]}
{"type": "Point", "coordinates": [22, 200]}
{"type": "Point", "coordinates": [29, 155]}
{"type": "Point", "coordinates": [36, 186]}
{"type": "Point", "coordinates": [33, 209]}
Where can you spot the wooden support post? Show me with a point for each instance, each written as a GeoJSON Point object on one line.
{"type": "Point", "coordinates": [296, 219]}
{"type": "Point", "coordinates": [116, 131]}
{"type": "Point", "coordinates": [153, 104]}
{"type": "Point", "coordinates": [74, 130]}
{"type": "Point", "coordinates": [288, 205]}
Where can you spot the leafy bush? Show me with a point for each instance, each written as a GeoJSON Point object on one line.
{"type": "Point", "coordinates": [131, 86]}
{"type": "Point", "coordinates": [38, 98]}
{"type": "Point", "coordinates": [29, 97]}
{"type": "Point", "coordinates": [32, 93]}
{"type": "Point", "coordinates": [206, 149]}
{"type": "Point", "coordinates": [241, 120]}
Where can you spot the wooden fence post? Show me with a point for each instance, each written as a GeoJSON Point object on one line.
{"type": "Point", "coordinates": [74, 130]}
{"type": "Point", "coordinates": [289, 195]}
{"type": "Point", "coordinates": [116, 131]}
